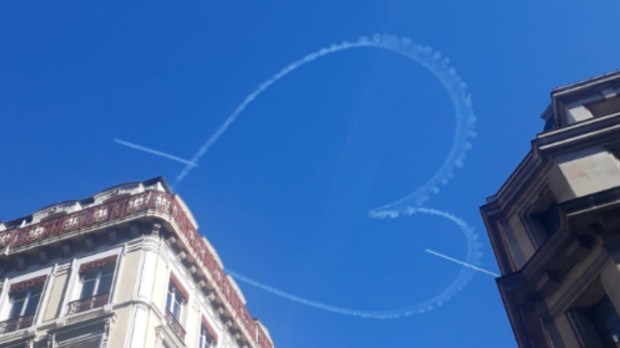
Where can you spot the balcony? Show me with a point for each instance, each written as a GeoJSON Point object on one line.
{"type": "Point", "coordinates": [16, 324]}
{"type": "Point", "coordinates": [174, 324]}
{"type": "Point", "coordinates": [88, 303]}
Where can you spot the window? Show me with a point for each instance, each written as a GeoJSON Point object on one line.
{"type": "Point", "coordinates": [605, 107]}
{"type": "Point", "coordinates": [95, 284]}
{"type": "Point", "coordinates": [544, 219]}
{"type": "Point", "coordinates": [86, 335]}
{"type": "Point", "coordinates": [208, 338]}
{"type": "Point", "coordinates": [549, 219]}
{"type": "Point", "coordinates": [24, 298]}
{"type": "Point", "coordinates": [175, 301]}
{"type": "Point", "coordinates": [97, 281]}
{"type": "Point", "coordinates": [606, 321]}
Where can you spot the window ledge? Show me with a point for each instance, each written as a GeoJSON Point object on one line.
{"type": "Point", "coordinates": [21, 334]}
{"type": "Point", "coordinates": [92, 314]}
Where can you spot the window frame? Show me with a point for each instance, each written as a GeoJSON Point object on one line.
{"type": "Point", "coordinates": [176, 322]}
{"type": "Point", "coordinates": [98, 277]}
{"type": "Point", "coordinates": [74, 289]}
{"type": "Point", "coordinates": [28, 297]}
{"type": "Point", "coordinates": [11, 281]}
{"type": "Point", "coordinates": [205, 327]}
{"type": "Point", "coordinates": [177, 304]}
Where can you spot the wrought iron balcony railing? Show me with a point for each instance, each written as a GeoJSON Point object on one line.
{"type": "Point", "coordinates": [174, 324]}
{"type": "Point", "coordinates": [88, 303]}
{"type": "Point", "coordinates": [16, 324]}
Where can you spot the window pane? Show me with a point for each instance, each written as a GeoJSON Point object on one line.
{"type": "Point", "coordinates": [178, 298]}
{"type": "Point", "coordinates": [108, 269]}
{"type": "Point", "coordinates": [104, 284]}
{"type": "Point", "coordinates": [16, 308]}
{"type": "Point", "coordinates": [87, 288]}
{"type": "Point", "coordinates": [89, 275]}
{"type": "Point", "coordinates": [169, 301]}
{"type": "Point", "coordinates": [176, 311]}
{"type": "Point", "coordinates": [33, 302]}
{"type": "Point", "coordinates": [20, 295]}
{"type": "Point", "coordinates": [206, 340]}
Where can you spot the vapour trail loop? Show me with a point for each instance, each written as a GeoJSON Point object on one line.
{"type": "Point", "coordinates": [465, 274]}
{"type": "Point", "coordinates": [408, 205]}
{"type": "Point", "coordinates": [423, 55]}
{"type": "Point", "coordinates": [155, 152]}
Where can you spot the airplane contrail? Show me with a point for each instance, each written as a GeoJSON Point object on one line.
{"type": "Point", "coordinates": [423, 55]}
{"type": "Point", "coordinates": [445, 257]}
{"type": "Point", "coordinates": [155, 152]}
{"type": "Point", "coordinates": [408, 205]}
{"type": "Point", "coordinates": [465, 274]}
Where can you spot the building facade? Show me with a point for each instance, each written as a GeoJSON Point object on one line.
{"type": "Point", "coordinates": [555, 223]}
{"type": "Point", "coordinates": [123, 268]}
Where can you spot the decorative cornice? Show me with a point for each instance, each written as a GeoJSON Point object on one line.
{"type": "Point", "coordinates": [89, 266]}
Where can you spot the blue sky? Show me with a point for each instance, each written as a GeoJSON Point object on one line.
{"type": "Point", "coordinates": [284, 195]}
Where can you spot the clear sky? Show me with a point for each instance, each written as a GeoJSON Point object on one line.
{"type": "Point", "coordinates": [284, 195]}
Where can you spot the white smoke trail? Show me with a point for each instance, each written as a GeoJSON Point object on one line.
{"type": "Point", "coordinates": [446, 257]}
{"type": "Point", "coordinates": [409, 204]}
{"type": "Point", "coordinates": [466, 273]}
{"type": "Point", "coordinates": [424, 56]}
{"type": "Point", "coordinates": [155, 152]}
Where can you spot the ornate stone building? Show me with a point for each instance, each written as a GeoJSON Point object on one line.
{"type": "Point", "coordinates": [555, 223]}
{"type": "Point", "coordinates": [123, 268]}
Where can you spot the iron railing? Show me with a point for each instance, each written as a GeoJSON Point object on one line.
{"type": "Point", "coordinates": [16, 324]}
{"type": "Point", "coordinates": [88, 303]}
{"type": "Point", "coordinates": [174, 324]}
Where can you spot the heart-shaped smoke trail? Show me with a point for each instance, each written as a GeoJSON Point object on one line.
{"type": "Point", "coordinates": [408, 205]}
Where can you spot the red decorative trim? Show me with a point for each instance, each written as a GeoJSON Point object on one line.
{"type": "Point", "coordinates": [26, 284]}
{"type": "Point", "coordinates": [212, 332]}
{"type": "Point", "coordinates": [152, 203]}
{"type": "Point", "coordinates": [89, 266]}
{"type": "Point", "coordinates": [177, 284]}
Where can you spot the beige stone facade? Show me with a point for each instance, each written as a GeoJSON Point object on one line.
{"type": "Point", "coordinates": [124, 268]}
{"type": "Point", "coordinates": [555, 223]}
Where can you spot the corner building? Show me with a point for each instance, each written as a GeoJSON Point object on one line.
{"type": "Point", "coordinates": [555, 223]}
{"type": "Point", "coordinates": [123, 268]}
